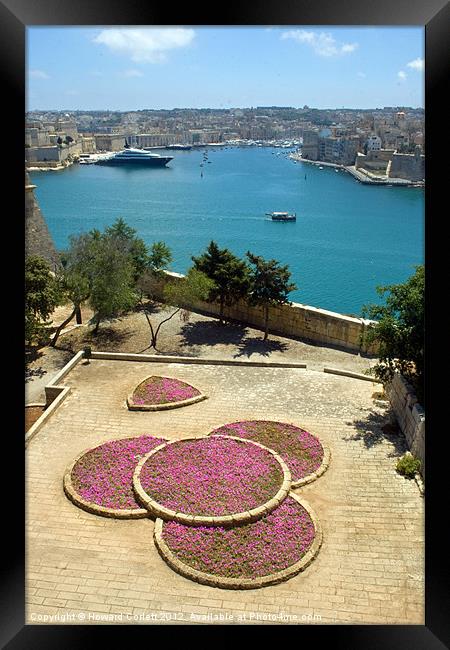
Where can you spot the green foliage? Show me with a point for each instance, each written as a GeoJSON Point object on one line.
{"type": "Point", "coordinates": [106, 269]}
{"type": "Point", "coordinates": [408, 465]}
{"type": "Point", "coordinates": [101, 268]}
{"type": "Point", "coordinates": [181, 293]}
{"type": "Point", "coordinates": [399, 332]}
{"type": "Point", "coordinates": [42, 295]}
{"type": "Point", "coordinates": [270, 285]}
{"type": "Point", "coordinates": [195, 286]}
{"type": "Point", "coordinates": [129, 243]}
{"type": "Point", "coordinates": [230, 276]}
{"type": "Point", "coordinates": [160, 257]}
{"type": "Point", "coordinates": [112, 281]}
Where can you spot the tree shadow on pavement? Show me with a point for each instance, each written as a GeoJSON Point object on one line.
{"type": "Point", "coordinates": [107, 338]}
{"type": "Point", "coordinates": [378, 427]}
{"type": "Point", "coordinates": [211, 333]}
{"type": "Point", "coordinates": [253, 345]}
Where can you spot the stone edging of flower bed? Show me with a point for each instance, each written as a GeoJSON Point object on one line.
{"type": "Point", "coordinates": [72, 494]}
{"type": "Point", "coordinates": [247, 516]}
{"type": "Point", "coordinates": [241, 583]}
{"type": "Point", "coordinates": [166, 405]}
{"type": "Point", "coordinates": [319, 471]}
{"type": "Point", "coordinates": [310, 477]}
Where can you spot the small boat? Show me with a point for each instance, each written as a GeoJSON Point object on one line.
{"type": "Point", "coordinates": [320, 167]}
{"type": "Point", "coordinates": [282, 216]}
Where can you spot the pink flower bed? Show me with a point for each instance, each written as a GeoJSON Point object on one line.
{"type": "Point", "coordinates": [211, 476]}
{"type": "Point", "coordinates": [300, 450]}
{"type": "Point", "coordinates": [103, 476]}
{"type": "Point", "coordinates": [162, 390]}
{"type": "Point", "coordinates": [271, 544]}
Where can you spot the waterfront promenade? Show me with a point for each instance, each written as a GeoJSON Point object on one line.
{"type": "Point", "coordinates": [362, 175]}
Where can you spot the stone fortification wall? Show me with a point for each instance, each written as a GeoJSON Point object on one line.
{"type": "Point", "coordinates": [410, 415]}
{"type": "Point", "coordinates": [38, 240]}
{"type": "Point", "coordinates": [296, 320]}
{"type": "Point", "coordinates": [408, 166]}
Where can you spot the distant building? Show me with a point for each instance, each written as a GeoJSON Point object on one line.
{"type": "Point", "coordinates": [310, 147]}
{"type": "Point", "coordinates": [152, 139]}
{"type": "Point", "coordinates": [373, 143]}
{"type": "Point", "coordinates": [109, 142]}
{"type": "Point", "coordinates": [88, 144]}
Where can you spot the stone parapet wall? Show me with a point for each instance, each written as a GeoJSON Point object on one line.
{"type": "Point", "coordinates": [410, 415]}
{"type": "Point", "coordinates": [296, 320]}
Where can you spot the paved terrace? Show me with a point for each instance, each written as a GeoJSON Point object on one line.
{"type": "Point", "coordinates": [369, 570]}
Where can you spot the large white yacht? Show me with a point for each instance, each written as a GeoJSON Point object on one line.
{"type": "Point", "coordinates": [131, 156]}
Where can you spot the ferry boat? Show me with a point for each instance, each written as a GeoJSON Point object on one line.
{"type": "Point", "coordinates": [135, 157]}
{"type": "Point", "coordinates": [282, 216]}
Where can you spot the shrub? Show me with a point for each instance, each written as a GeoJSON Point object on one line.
{"type": "Point", "coordinates": [408, 465]}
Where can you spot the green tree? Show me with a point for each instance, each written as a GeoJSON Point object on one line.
{"type": "Point", "coordinates": [129, 243]}
{"type": "Point", "coordinates": [75, 288]}
{"type": "Point", "coordinates": [181, 293]}
{"type": "Point", "coordinates": [42, 295]}
{"type": "Point", "coordinates": [229, 274]}
{"type": "Point", "coordinates": [270, 285]}
{"type": "Point", "coordinates": [399, 331]}
{"type": "Point", "coordinates": [99, 269]}
{"type": "Point", "coordinates": [160, 257]}
{"type": "Point", "coordinates": [111, 278]}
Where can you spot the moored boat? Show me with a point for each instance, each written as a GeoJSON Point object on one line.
{"type": "Point", "coordinates": [131, 156]}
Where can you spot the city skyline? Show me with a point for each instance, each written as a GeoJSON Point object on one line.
{"type": "Point", "coordinates": [132, 68]}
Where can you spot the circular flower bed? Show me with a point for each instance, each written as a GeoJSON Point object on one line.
{"type": "Point", "coordinates": [100, 479]}
{"type": "Point", "coordinates": [156, 393]}
{"type": "Point", "coordinates": [209, 480]}
{"type": "Point", "coordinates": [270, 550]}
{"type": "Point", "coordinates": [301, 451]}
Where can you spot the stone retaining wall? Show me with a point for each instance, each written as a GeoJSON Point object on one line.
{"type": "Point", "coordinates": [410, 415]}
{"type": "Point", "coordinates": [296, 320]}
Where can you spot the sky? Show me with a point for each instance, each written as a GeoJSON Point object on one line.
{"type": "Point", "coordinates": [137, 67]}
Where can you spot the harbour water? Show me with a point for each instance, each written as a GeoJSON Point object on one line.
{"type": "Point", "coordinates": [348, 238]}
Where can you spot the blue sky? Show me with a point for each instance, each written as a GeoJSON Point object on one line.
{"type": "Point", "coordinates": [131, 68]}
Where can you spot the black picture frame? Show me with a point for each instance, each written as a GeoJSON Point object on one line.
{"type": "Point", "coordinates": [15, 16]}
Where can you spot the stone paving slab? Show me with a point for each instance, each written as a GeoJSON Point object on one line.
{"type": "Point", "coordinates": [86, 569]}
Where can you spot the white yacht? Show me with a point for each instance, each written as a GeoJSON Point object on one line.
{"type": "Point", "coordinates": [131, 156]}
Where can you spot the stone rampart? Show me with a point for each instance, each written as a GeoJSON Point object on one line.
{"type": "Point", "coordinates": [38, 240]}
{"type": "Point", "coordinates": [409, 166]}
{"type": "Point", "coordinates": [295, 320]}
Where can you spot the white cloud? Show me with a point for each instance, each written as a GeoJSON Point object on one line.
{"type": "Point", "coordinates": [146, 45]}
{"type": "Point", "coordinates": [417, 64]}
{"type": "Point", "coordinates": [38, 74]}
{"type": "Point", "coordinates": [132, 73]}
{"type": "Point", "coordinates": [323, 43]}
{"type": "Point", "coordinates": [401, 75]}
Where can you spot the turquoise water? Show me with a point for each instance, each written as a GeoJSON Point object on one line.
{"type": "Point", "coordinates": [348, 237]}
